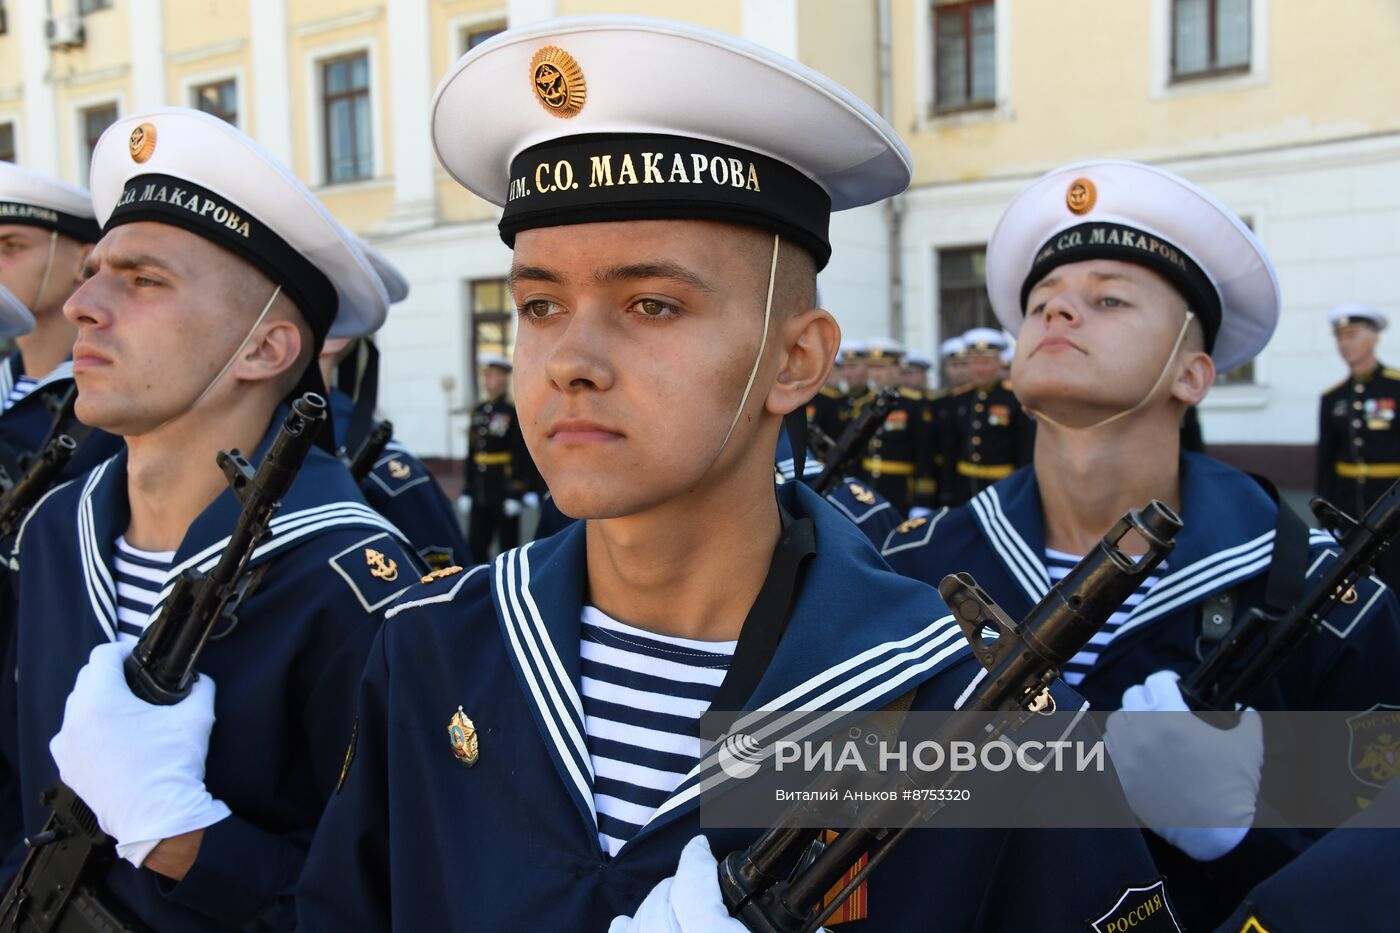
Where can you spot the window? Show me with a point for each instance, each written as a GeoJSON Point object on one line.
{"type": "Point", "coordinates": [4, 19]}
{"type": "Point", "coordinates": [7, 142]}
{"type": "Point", "coordinates": [962, 291]}
{"type": "Point", "coordinates": [493, 317]}
{"type": "Point", "coordinates": [964, 55]}
{"type": "Point", "coordinates": [472, 36]}
{"type": "Point", "coordinates": [92, 6]}
{"type": "Point", "coordinates": [347, 126]}
{"type": "Point", "coordinates": [1209, 37]}
{"type": "Point", "coordinates": [219, 98]}
{"type": "Point", "coordinates": [94, 121]}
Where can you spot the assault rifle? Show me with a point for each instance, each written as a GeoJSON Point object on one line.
{"type": "Point", "coordinates": [38, 477]}
{"type": "Point", "coordinates": [59, 886]}
{"type": "Point", "coordinates": [1220, 684]}
{"type": "Point", "coordinates": [780, 883]}
{"type": "Point", "coordinates": [374, 443]}
{"type": "Point", "coordinates": [854, 440]}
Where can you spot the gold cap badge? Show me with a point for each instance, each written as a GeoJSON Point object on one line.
{"type": "Point", "coordinates": [558, 81]}
{"type": "Point", "coordinates": [1081, 196]}
{"type": "Point", "coordinates": [462, 732]}
{"type": "Point", "coordinates": [142, 142]}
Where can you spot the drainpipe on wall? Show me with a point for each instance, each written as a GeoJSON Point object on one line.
{"type": "Point", "coordinates": [894, 207]}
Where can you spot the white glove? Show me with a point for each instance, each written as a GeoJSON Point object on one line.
{"type": "Point", "coordinates": [464, 503]}
{"type": "Point", "coordinates": [139, 767]}
{"type": "Point", "coordinates": [511, 507]}
{"type": "Point", "coordinates": [1175, 767]}
{"type": "Point", "coordinates": [531, 500]}
{"type": "Point", "coordinates": [918, 511]}
{"type": "Point", "coordinates": [687, 902]}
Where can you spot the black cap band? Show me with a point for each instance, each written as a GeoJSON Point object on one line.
{"type": "Point", "coordinates": [608, 177]}
{"type": "Point", "coordinates": [82, 229]}
{"type": "Point", "coordinates": [1128, 244]}
{"type": "Point", "coordinates": [167, 200]}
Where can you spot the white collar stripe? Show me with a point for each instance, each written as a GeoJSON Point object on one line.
{"type": "Point", "coordinates": [566, 685]}
{"type": "Point", "coordinates": [1205, 586]}
{"type": "Point", "coordinates": [1218, 564]}
{"type": "Point", "coordinates": [996, 536]}
{"type": "Point", "coordinates": [60, 372]}
{"type": "Point", "coordinates": [446, 597]}
{"type": "Point", "coordinates": [1030, 559]}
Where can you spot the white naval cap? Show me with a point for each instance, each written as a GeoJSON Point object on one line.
{"type": "Point", "coordinates": [1007, 354]}
{"type": "Point", "coordinates": [395, 282]}
{"type": "Point", "coordinates": [485, 360]}
{"type": "Point", "coordinates": [192, 170]}
{"type": "Point", "coordinates": [35, 200]}
{"type": "Point", "coordinates": [1352, 312]}
{"type": "Point", "coordinates": [918, 360]}
{"type": "Point", "coordinates": [1139, 214]}
{"type": "Point", "coordinates": [15, 319]}
{"type": "Point", "coordinates": [985, 339]}
{"type": "Point", "coordinates": [953, 346]}
{"type": "Point", "coordinates": [586, 119]}
{"type": "Point", "coordinates": [852, 350]}
{"type": "Point", "coordinates": [884, 348]}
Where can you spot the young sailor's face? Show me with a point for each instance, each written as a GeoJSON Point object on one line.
{"type": "Point", "coordinates": [24, 255]}
{"type": "Point", "coordinates": [1356, 343]}
{"type": "Point", "coordinates": [636, 340]}
{"type": "Point", "coordinates": [1095, 338]}
{"type": "Point", "coordinates": [157, 317]}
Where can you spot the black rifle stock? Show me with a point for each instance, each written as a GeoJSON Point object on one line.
{"type": "Point", "coordinates": [1220, 683]}
{"type": "Point", "coordinates": [38, 477]}
{"type": "Point", "coordinates": [364, 459]}
{"type": "Point", "coordinates": [780, 883]}
{"type": "Point", "coordinates": [854, 440]}
{"type": "Point", "coordinates": [59, 886]}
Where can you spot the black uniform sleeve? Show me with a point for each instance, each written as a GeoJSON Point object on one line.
{"type": "Point", "coordinates": [1326, 444]}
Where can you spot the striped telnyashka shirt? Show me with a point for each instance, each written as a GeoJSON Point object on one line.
{"type": "Point", "coordinates": [140, 577]}
{"type": "Point", "coordinates": [1059, 564]}
{"type": "Point", "coordinates": [22, 387]}
{"type": "Point", "coordinates": [643, 695]}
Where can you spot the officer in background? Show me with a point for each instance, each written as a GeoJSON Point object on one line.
{"type": "Point", "coordinates": [46, 231]}
{"type": "Point", "coordinates": [1358, 443]}
{"type": "Point", "coordinates": [953, 353]}
{"type": "Point", "coordinates": [500, 474]}
{"type": "Point", "coordinates": [899, 461]}
{"type": "Point", "coordinates": [986, 435]}
{"type": "Point", "coordinates": [203, 309]}
{"type": "Point", "coordinates": [855, 375]}
{"type": "Point", "coordinates": [827, 411]}
{"type": "Point", "coordinates": [914, 374]}
{"type": "Point", "coordinates": [398, 485]}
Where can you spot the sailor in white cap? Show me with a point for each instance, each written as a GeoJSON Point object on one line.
{"type": "Point", "coordinates": [527, 753]}
{"type": "Point", "coordinates": [397, 485]}
{"type": "Point", "coordinates": [914, 373]}
{"type": "Point", "coordinates": [15, 319]}
{"type": "Point", "coordinates": [1358, 443]}
{"type": "Point", "coordinates": [984, 434]}
{"type": "Point", "coordinates": [500, 477]}
{"type": "Point", "coordinates": [953, 352]}
{"type": "Point", "coordinates": [46, 231]}
{"type": "Point", "coordinates": [204, 306]}
{"type": "Point", "coordinates": [1127, 288]}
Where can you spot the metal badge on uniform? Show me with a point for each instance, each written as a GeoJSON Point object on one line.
{"type": "Point", "coordinates": [381, 567]}
{"type": "Point", "coordinates": [910, 524]}
{"type": "Point", "coordinates": [1141, 910]}
{"type": "Point", "coordinates": [558, 81]}
{"type": "Point", "coordinates": [862, 495]}
{"type": "Point", "coordinates": [400, 470]}
{"type": "Point", "coordinates": [998, 416]}
{"type": "Point", "coordinates": [1374, 745]}
{"type": "Point", "coordinates": [462, 732]}
{"type": "Point", "coordinates": [440, 574]}
{"type": "Point", "coordinates": [1081, 196]}
{"type": "Point", "coordinates": [142, 142]}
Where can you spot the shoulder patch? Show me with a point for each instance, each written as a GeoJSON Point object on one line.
{"type": "Point", "coordinates": [830, 392]}
{"type": "Point", "coordinates": [912, 533]}
{"type": "Point", "coordinates": [861, 494]}
{"type": "Point", "coordinates": [372, 569]}
{"type": "Point", "coordinates": [396, 473]}
{"type": "Point", "coordinates": [914, 395]}
{"type": "Point", "coordinates": [1390, 373]}
{"type": "Point", "coordinates": [1142, 910]}
{"type": "Point", "coordinates": [1335, 386]}
{"type": "Point", "coordinates": [965, 387]}
{"type": "Point", "coordinates": [442, 574]}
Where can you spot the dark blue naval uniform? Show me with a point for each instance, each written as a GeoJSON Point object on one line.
{"type": "Point", "coordinates": [871, 512]}
{"type": "Point", "coordinates": [1225, 546]}
{"type": "Point", "coordinates": [285, 672]}
{"type": "Point", "coordinates": [417, 840]}
{"type": "Point", "coordinates": [403, 490]}
{"type": "Point", "coordinates": [25, 426]}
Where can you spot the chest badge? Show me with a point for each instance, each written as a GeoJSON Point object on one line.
{"type": "Point", "coordinates": [381, 567]}
{"type": "Point", "coordinates": [399, 470]}
{"type": "Point", "coordinates": [462, 732]}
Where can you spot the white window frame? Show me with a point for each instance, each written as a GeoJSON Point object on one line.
{"type": "Point", "coordinates": [316, 141]}
{"type": "Point", "coordinates": [234, 74]}
{"type": "Point", "coordinates": [78, 171]}
{"type": "Point", "coordinates": [456, 24]}
{"type": "Point", "coordinates": [925, 92]}
{"type": "Point", "coordinates": [1257, 75]}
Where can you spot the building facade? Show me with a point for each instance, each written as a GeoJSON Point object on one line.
{"type": "Point", "coordinates": [1284, 110]}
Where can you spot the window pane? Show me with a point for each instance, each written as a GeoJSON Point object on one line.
{"type": "Point", "coordinates": [1231, 33]}
{"type": "Point", "coordinates": [984, 66]}
{"type": "Point", "coordinates": [335, 77]}
{"type": "Point", "coordinates": [950, 59]}
{"type": "Point", "coordinates": [359, 72]}
{"type": "Point", "coordinates": [340, 140]}
{"type": "Point", "coordinates": [479, 34]}
{"type": "Point", "coordinates": [1192, 36]}
{"type": "Point", "coordinates": [962, 291]}
{"type": "Point", "coordinates": [219, 99]}
{"type": "Point", "coordinates": [363, 144]}
{"type": "Point", "coordinates": [7, 142]}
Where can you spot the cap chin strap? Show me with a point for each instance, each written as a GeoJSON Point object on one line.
{"type": "Point", "coordinates": [758, 358]}
{"type": "Point", "coordinates": [233, 357]}
{"type": "Point", "coordinates": [48, 270]}
{"type": "Point", "coordinates": [1161, 378]}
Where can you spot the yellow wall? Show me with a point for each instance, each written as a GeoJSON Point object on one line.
{"type": "Point", "coordinates": [841, 40]}
{"type": "Point", "coordinates": [723, 15]}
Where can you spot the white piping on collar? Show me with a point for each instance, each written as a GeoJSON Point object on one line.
{"type": "Point", "coordinates": [933, 520]}
{"type": "Point", "coordinates": [1016, 555]}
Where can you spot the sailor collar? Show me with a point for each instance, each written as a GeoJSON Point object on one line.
{"type": "Point", "coordinates": [323, 497]}
{"type": "Point", "coordinates": [838, 654]}
{"type": "Point", "coordinates": [13, 369]}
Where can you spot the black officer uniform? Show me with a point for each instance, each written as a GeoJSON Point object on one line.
{"type": "Point", "coordinates": [985, 437]}
{"type": "Point", "coordinates": [1358, 445]}
{"type": "Point", "coordinates": [828, 411]}
{"type": "Point", "coordinates": [899, 461]}
{"type": "Point", "coordinates": [498, 468]}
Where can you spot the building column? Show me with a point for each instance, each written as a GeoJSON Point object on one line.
{"type": "Point", "coordinates": [147, 28]}
{"type": "Point", "coordinates": [272, 80]}
{"type": "Point", "coordinates": [411, 90]}
{"type": "Point", "coordinates": [38, 142]}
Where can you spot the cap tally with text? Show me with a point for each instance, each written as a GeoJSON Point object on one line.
{"type": "Point", "coordinates": [493, 361]}
{"type": "Point", "coordinates": [1352, 312]}
{"type": "Point", "coordinates": [1143, 215]}
{"type": "Point", "coordinates": [591, 119]}
{"type": "Point", "coordinates": [15, 319]}
{"type": "Point", "coordinates": [35, 200]}
{"type": "Point", "coordinates": [952, 348]}
{"type": "Point", "coordinates": [985, 340]}
{"type": "Point", "coordinates": [194, 171]}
